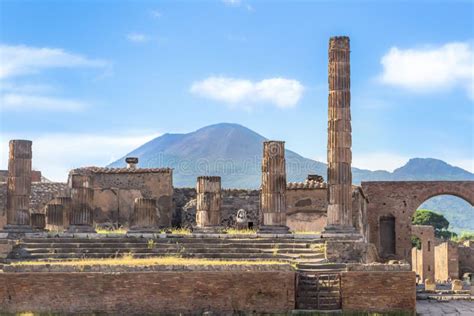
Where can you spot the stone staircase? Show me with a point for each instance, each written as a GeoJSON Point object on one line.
{"type": "Point", "coordinates": [318, 286]}
{"type": "Point", "coordinates": [317, 280]}
{"type": "Point", "coordinates": [287, 249]}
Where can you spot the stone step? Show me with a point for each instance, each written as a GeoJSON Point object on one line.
{"type": "Point", "coordinates": [243, 256]}
{"type": "Point", "coordinates": [173, 240]}
{"type": "Point", "coordinates": [301, 248]}
{"type": "Point", "coordinates": [302, 266]}
{"type": "Point", "coordinates": [298, 253]}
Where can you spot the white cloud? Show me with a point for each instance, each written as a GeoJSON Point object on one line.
{"type": "Point", "coordinates": [137, 37]}
{"type": "Point", "coordinates": [156, 14]}
{"type": "Point", "coordinates": [430, 68]}
{"type": "Point", "coordinates": [23, 102]}
{"type": "Point", "coordinates": [56, 154]}
{"type": "Point", "coordinates": [284, 93]}
{"type": "Point", "coordinates": [16, 60]}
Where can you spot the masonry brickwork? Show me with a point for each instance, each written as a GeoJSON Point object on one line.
{"type": "Point", "coordinates": [378, 291]}
{"type": "Point", "coordinates": [137, 293]}
{"type": "Point", "coordinates": [423, 260]}
{"type": "Point", "coordinates": [446, 262]}
{"type": "Point", "coordinates": [400, 199]}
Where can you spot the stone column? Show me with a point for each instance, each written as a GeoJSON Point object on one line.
{"type": "Point", "coordinates": [273, 191]}
{"type": "Point", "coordinates": [208, 204]}
{"type": "Point", "coordinates": [82, 195]}
{"type": "Point", "coordinates": [38, 221]}
{"type": "Point", "coordinates": [66, 202]}
{"type": "Point", "coordinates": [19, 186]}
{"type": "Point", "coordinates": [339, 218]}
{"type": "Point", "coordinates": [145, 215]}
{"type": "Point", "coordinates": [55, 217]}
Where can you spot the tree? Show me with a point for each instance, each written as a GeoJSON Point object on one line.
{"type": "Point", "coordinates": [438, 221]}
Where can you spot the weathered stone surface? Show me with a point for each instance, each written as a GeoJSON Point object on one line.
{"type": "Point", "coordinates": [38, 221]}
{"type": "Point", "coordinates": [273, 191]}
{"type": "Point", "coordinates": [378, 291]}
{"type": "Point", "coordinates": [456, 285]}
{"type": "Point", "coordinates": [149, 292]}
{"type": "Point", "coordinates": [339, 212]}
{"type": "Point", "coordinates": [400, 199]}
{"type": "Point", "coordinates": [446, 262]}
{"type": "Point", "coordinates": [145, 215]}
{"type": "Point", "coordinates": [423, 260]}
{"type": "Point", "coordinates": [208, 201]}
{"type": "Point", "coordinates": [55, 217]}
{"type": "Point", "coordinates": [350, 251]}
{"type": "Point", "coordinates": [430, 285]}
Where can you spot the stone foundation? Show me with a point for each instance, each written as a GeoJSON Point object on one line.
{"type": "Point", "coordinates": [138, 293]}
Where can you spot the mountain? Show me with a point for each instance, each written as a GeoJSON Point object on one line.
{"type": "Point", "coordinates": [234, 152]}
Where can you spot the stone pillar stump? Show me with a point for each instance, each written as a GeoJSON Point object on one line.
{"type": "Point", "coordinates": [145, 216]}
{"type": "Point", "coordinates": [82, 195]}
{"type": "Point", "coordinates": [208, 204]}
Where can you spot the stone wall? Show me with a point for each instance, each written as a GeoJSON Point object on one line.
{"type": "Point", "coordinates": [423, 260]}
{"type": "Point", "coordinates": [232, 200]}
{"type": "Point", "coordinates": [306, 209]}
{"type": "Point", "coordinates": [136, 293]}
{"type": "Point", "coordinates": [446, 262]}
{"type": "Point", "coordinates": [41, 194]}
{"type": "Point", "coordinates": [115, 190]}
{"type": "Point", "coordinates": [400, 199]}
{"type": "Point", "coordinates": [466, 258]}
{"type": "Point", "coordinates": [378, 291]}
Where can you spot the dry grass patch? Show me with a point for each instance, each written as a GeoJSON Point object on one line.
{"type": "Point", "coordinates": [129, 260]}
{"type": "Point", "coordinates": [234, 231]}
{"type": "Point", "coordinates": [103, 231]}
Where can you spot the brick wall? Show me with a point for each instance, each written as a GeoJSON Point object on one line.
{"type": "Point", "coordinates": [378, 291]}
{"type": "Point", "coordinates": [466, 259]}
{"type": "Point", "coordinates": [446, 262]}
{"type": "Point", "coordinates": [154, 292]}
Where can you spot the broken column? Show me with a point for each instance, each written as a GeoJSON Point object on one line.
{"type": "Point", "coordinates": [145, 215]}
{"type": "Point", "coordinates": [82, 195]}
{"type": "Point", "coordinates": [19, 186]}
{"type": "Point", "coordinates": [55, 217]}
{"type": "Point", "coordinates": [339, 217]}
{"type": "Point", "coordinates": [273, 191]}
{"type": "Point", "coordinates": [66, 203]}
{"type": "Point", "coordinates": [208, 204]}
{"type": "Point", "coordinates": [38, 221]}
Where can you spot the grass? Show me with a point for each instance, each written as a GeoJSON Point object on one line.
{"type": "Point", "coordinates": [306, 232]}
{"type": "Point", "coordinates": [105, 231]}
{"type": "Point", "coordinates": [234, 231]}
{"type": "Point", "coordinates": [129, 260]}
{"type": "Point", "coordinates": [179, 231]}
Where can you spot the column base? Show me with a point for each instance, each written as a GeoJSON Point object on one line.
{"type": "Point", "coordinates": [14, 231]}
{"type": "Point", "coordinates": [81, 229]}
{"type": "Point", "coordinates": [144, 230]}
{"type": "Point", "coordinates": [273, 229]}
{"type": "Point", "coordinates": [341, 232]}
{"type": "Point", "coordinates": [208, 230]}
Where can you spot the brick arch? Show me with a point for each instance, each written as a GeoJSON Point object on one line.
{"type": "Point", "coordinates": [401, 199]}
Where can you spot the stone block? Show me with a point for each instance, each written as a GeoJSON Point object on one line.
{"type": "Point", "coordinates": [456, 285]}
{"type": "Point", "coordinates": [430, 285]}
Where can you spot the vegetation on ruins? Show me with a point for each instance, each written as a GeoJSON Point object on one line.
{"type": "Point", "coordinates": [438, 221]}
{"type": "Point", "coordinates": [464, 236]}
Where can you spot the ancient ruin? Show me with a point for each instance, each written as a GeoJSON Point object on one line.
{"type": "Point", "coordinates": [339, 137]}
{"type": "Point", "coordinates": [309, 245]}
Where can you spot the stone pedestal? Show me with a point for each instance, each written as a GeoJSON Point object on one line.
{"type": "Point", "coordinates": [339, 219]}
{"type": "Point", "coordinates": [82, 216]}
{"type": "Point", "coordinates": [208, 205]}
{"type": "Point", "coordinates": [145, 216]}
{"type": "Point", "coordinates": [19, 187]}
{"type": "Point", "coordinates": [273, 191]}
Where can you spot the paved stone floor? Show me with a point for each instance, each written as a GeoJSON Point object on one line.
{"type": "Point", "coordinates": [450, 308]}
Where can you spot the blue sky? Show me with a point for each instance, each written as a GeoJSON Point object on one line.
{"type": "Point", "coordinates": [88, 81]}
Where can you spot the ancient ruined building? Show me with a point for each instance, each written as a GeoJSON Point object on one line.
{"type": "Point", "coordinates": [339, 137]}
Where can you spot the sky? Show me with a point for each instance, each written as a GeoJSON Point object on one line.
{"type": "Point", "coordinates": [88, 81]}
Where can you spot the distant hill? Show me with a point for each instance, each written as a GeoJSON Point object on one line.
{"type": "Point", "coordinates": [234, 152]}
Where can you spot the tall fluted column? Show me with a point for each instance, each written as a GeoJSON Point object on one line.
{"type": "Point", "coordinates": [339, 136]}
{"type": "Point", "coordinates": [273, 191]}
{"type": "Point", "coordinates": [145, 216]}
{"type": "Point", "coordinates": [208, 204]}
{"type": "Point", "coordinates": [19, 186]}
{"type": "Point", "coordinates": [82, 195]}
